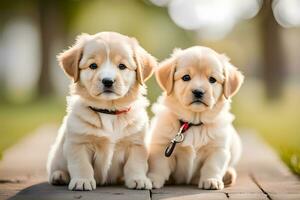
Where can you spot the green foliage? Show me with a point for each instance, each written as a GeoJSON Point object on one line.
{"type": "Point", "coordinates": [277, 122]}
{"type": "Point", "coordinates": [18, 120]}
{"type": "Point", "coordinates": [149, 24]}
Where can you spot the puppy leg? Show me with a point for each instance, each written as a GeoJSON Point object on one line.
{"type": "Point", "coordinates": [213, 169]}
{"type": "Point", "coordinates": [136, 167]}
{"type": "Point", "coordinates": [184, 165]}
{"type": "Point", "coordinates": [236, 150]}
{"type": "Point", "coordinates": [159, 166]}
{"type": "Point", "coordinates": [59, 177]}
{"type": "Point", "coordinates": [229, 177]}
{"type": "Point", "coordinates": [102, 161]}
{"type": "Point", "coordinates": [80, 167]}
{"type": "Point", "coordinates": [57, 164]}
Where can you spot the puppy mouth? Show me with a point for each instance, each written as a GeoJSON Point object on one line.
{"type": "Point", "coordinates": [198, 101]}
{"type": "Point", "coordinates": [107, 91]}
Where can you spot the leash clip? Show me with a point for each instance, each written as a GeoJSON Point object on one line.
{"type": "Point", "coordinates": [179, 137]}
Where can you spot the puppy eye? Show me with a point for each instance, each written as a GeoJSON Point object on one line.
{"type": "Point", "coordinates": [122, 66]}
{"type": "Point", "coordinates": [93, 66]}
{"type": "Point", "coordinates": [186, 77]}
{"type": "Point", "coordinates": [212, 80]}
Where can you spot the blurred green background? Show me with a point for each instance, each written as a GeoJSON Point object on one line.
{"type": "Point", "coordinates": [33, 87]}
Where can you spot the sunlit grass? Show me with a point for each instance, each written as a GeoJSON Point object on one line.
{"type": "Point", "coordinates": [277, 121]}
{"type": "Point", "coordinates": [18, 120]}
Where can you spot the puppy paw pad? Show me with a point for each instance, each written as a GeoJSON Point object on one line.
{"type": "Point", "coordinates": [157, 182]}
{"type": "Point", "coordinates": [139, 183]}
{"type": "Point", "coordinates": [82, 184]}
{"type": "Point", "coordinates": [211, 184]}
{"type": "Point", "coordinates": [59, 178]}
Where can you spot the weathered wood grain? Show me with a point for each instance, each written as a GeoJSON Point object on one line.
{"type": "Point", "coordinates": [261, 175]}
{"type": "Point", "coordinates": [183, 192]}
{"type": "Point", "coordinates": [244, 184]}
{"type": "Point", "coordinates": [248, 196]}
{"type": "Point", "coordinates": [268, 171]}
{"type": "Point", "coordinates": [284, 196]}
{"type": "Point", "coordinates": [44, 191]}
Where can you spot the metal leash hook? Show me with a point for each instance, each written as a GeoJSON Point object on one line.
{"type": "Point", "coordinates": [179, 137]}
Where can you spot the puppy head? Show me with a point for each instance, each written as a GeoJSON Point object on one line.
{"type": "Point", "coordinates": [106, 65]}
{"type": "Point", "coordinates": [198, 78]}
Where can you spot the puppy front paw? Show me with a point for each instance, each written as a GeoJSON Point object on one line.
{"type": "Point", "coordinates": [83, 184]}
{"type": "Point", "coordinates": [139, 182]}
{"type": "Point", "coordinates": [157, 181]}
{"type": "Point", "coordinates": [59, 177]}
{"type": "Point", "coordinates": [211, 184]}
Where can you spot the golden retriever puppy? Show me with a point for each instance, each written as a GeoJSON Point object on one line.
{"type": "Point", "coordinates": [193, 140]}
{"type": "Point", "coordinates": [101, 140]}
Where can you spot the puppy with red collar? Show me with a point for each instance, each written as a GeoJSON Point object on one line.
{"type": "Point", "coordinates": [101, 140]}
{"type": "Point", "coordinates": [193, 140]}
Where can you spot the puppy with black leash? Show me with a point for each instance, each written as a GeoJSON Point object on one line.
{"type": "Point", "coordinates": [193, 139]}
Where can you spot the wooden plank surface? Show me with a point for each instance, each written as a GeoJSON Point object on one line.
{"type": "Point", "coordinates": [186, 192]}
{"type": "Point", "coordinates": [268, 171]}
{"type": "Point", "coordinates": [248, 196]}
{"type": "Point", "coordinates": [44, 191]}
{"type": "Point", "coordinates": [261, 175]}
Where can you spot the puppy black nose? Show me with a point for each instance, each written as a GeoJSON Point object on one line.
{"type": "Point", "coordinates": [107, 82]}
{"type": "Point", "coordinates": [198, 93]}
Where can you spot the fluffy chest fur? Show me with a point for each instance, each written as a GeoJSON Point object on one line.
{"type": "Point", "coordinates": [110, 125]}
{"type": "Point", "coordinates": [199, 136]}
{"type": "Point", "coordinates": [118, 126]}
{"type": "Point", "coordinates": [84, 121]}
{"type": "Point", "coordinates": [196, 137]}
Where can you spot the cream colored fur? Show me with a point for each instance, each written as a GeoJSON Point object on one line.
{"type": "Point", "coordinates": [94, 148]}
{"type": "Point", "coordinates": [210, 151]}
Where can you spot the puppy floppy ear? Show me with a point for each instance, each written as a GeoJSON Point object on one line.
{"type": "Point", "coordinates": [165, 75]}
{"type": "Point", "coordinates": [69, 59]}
{"type": "Point", "coordinates": [145, 63]}
{"type": "Point", "coordinates": [233, 78]}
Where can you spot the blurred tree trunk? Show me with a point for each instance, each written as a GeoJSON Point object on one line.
{"type": "Point", "coordinates": [2, 82]}
{"type": "Point", "coordinates": [52, 28]}
{"type": "Point", "coordinates": [3, 19]}
{"type": "Point", "coordinates": [274, 63]}
{"type": "Point", "coordinates": [45, 86]}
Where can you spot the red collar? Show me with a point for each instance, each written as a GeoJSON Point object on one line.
{"type": "Point", "coordinates": [110, 112]}
{"type": "Point", "coordinates": [184, 126]}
